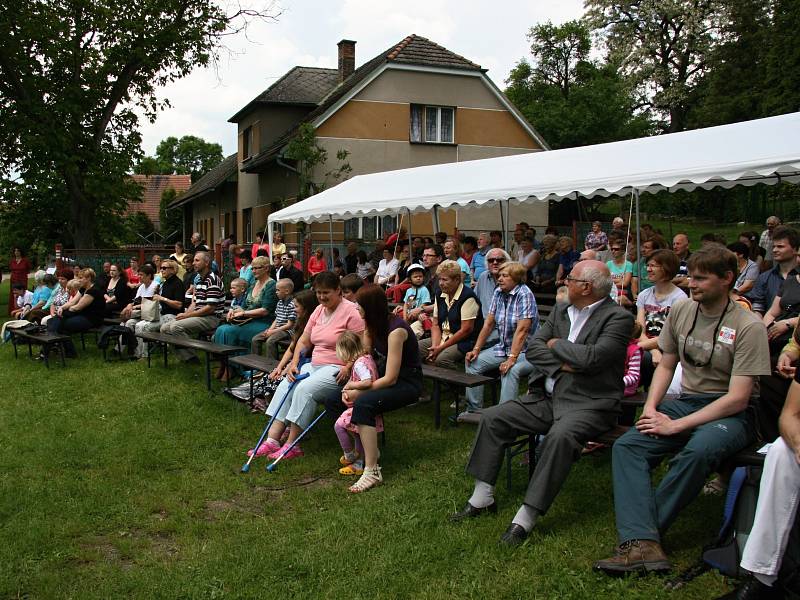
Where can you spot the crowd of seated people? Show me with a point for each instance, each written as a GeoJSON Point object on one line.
{"type": "Point", "coordinates": [701, 330]}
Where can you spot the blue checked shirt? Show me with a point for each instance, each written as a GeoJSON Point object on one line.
{"type": "Point", "coordinates": [508, 309]}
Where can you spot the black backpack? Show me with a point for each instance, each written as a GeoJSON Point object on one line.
{"type": "Point", "coordinates": [109, 336]}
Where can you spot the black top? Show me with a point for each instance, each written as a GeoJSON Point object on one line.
{"type": "Point", "coordinates": [171, 289]}
{"type": "Point", "coordinates": [120, 292]}
{"type": "Point", "coordinates": [96, 310]}
{"type": "Point", "coordinates": [410, 358]}
{"type": "Point", "coordinates": [350, 263]}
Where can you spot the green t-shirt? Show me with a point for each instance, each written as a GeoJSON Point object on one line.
{"type": "Point", "coordinates": [644, 280]}
{"type": "Point", "coordinates": [740, 346]}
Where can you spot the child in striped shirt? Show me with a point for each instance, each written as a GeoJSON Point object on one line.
{"type": "Point", "coordinates": [282, 327]}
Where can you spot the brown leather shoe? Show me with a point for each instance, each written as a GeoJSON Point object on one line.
{"type": "Point", "coordinates": [635, 555]}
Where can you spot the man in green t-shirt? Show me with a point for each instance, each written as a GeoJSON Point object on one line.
{"type": "Point", "coordinates": [722, 349]}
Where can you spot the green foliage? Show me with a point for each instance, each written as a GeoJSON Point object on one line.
{"type": "Point", "coordinates": [73, 75]}
{"type": "Point", "coordinates": [189, 155]}
{"type": "Point", "coordinates": [170, 220]}
{"type": "Point", "coordinates": [664, 46]}
{"type": "Point", "coordinates": [570, 100]}
{"type": "Point", "coordinates": [304, 150]}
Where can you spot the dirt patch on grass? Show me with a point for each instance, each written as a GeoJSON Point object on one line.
{"type": "Point", "coordinates": [121, 549]}
{"type": "Point", "coordinates": [253, 501]}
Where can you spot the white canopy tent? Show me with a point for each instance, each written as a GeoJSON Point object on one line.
{"type": "Point", "coordinates": [759, 151]}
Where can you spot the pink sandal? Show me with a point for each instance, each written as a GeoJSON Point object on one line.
{"type": "Point", "coordinates": [265, 448]}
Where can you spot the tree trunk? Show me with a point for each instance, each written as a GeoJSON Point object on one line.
{"type": "Point", "coordinates": [82, 212]}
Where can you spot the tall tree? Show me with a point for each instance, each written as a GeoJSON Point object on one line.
{"type": "Point", "coordinates": [571, 100]}
{"type": "Point", "coordinates": [72, 75]}
{"type": "Point", "coordinates": [663, 45]}
{"type": "Point", "coordinates": [189, 155]}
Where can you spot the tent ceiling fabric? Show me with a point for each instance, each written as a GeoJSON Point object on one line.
{"type": "Point", "coordinates": [758, 151]}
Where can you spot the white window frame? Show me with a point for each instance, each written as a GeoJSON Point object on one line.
{"type": "Point", "coordinates": [424, 124]}
{"type": "Point", "coordinates": [377, 223]}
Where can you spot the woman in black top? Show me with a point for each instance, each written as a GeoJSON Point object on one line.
{"type": "Point", "coordinates": [83, 315]}
{"type": "Point", "coordinates": [399, 384]}
{"type": "Point", "coordinates": [117, 294]}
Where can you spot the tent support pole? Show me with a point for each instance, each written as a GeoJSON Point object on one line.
{"type": "Point", "coordinates": [410, 238]}
{"type": "Point", "coordinates": [504, 222]}
{"type": "Point", "coordinates": [330, 232]}
{"type": "Point", "coordinates": [638, 240]}
{"type": "Point", "coordinates": [435, 217]}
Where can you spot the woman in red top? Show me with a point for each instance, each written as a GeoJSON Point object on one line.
{"type": "Point", "coordinates": [316, 264]}
{"type": "Point", "coordinates": [19, 267]}
{"type": "Point", "coordinates": [259, 244]}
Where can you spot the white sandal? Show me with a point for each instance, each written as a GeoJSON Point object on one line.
{"type": "Point", "coordinates": [370, 478]}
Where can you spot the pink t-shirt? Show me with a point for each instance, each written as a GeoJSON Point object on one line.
{"type": "Point", "coordinates": [325, 331]}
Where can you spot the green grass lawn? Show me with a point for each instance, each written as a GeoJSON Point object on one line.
{"type": "Point", "coordinates": [117, 481]}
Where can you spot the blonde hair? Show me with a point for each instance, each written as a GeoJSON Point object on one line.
{"type": "Point", "coordinates": [73, 285]}
{"type": "Point", "coordinates": [450, 268]}
{"type": "Point", "coordinates": [349, 346]}
{"type": "Point", "coordinates": [515, 270]}
{"type": "Point", "coordinates": [260, 261]}
{"type": "Point", "coordinates": [88, 274]}
{"type": "Point", "coordinates": [240, 282]}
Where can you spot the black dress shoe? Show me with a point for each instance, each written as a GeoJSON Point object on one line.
{"type": "Point", "coordinates": [470, 512]}
{"type": "Point", "coordinates": [514, 535]}
{"type": "Point", "coordinates": [752, 589]}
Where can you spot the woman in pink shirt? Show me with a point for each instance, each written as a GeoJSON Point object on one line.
{"type": "Point", "coordinates": [330, 319]}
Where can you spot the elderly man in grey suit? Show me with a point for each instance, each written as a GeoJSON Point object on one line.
{"type": "Point", "coordinates": [573, 396]}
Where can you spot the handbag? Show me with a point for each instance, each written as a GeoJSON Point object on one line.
{"type": "Point", "coordinates": [150, 310]}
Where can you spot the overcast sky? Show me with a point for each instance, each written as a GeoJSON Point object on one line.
{"type": "Point", "coordinates": [492, 34]}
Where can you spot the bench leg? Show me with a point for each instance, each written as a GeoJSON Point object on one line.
{"type": "Point", "coordinates": [252, 391]}
{"type": "Point", "coordinates": [62, 352]}
{"type": "Point", "coordinates": [46, 352]}
{"type": "Point", "coordinates": [30, 350]}
{"type": "Point", "coordinates": [208, 371]}
{"type": "Point", "coordinates": [14, 343]}
{"type": "Point", "coordinates": [149, 352]}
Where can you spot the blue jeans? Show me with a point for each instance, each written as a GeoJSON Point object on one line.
{"type": "Point", "coordinates": [302, 399]}
{"type": "Point", "coordinates": [509, 383]}
{"type": "Point", "coordinates": [644, 513]}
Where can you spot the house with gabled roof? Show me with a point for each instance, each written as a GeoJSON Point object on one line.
{"type": "Point", "coordinates": [415, 104]}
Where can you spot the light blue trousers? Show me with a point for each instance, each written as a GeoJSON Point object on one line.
{"type": "Point", "coordinates": [509, 383]}
{"type": "Point", "coordinates": [302, 399]}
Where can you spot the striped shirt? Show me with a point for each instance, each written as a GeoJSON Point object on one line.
{"type": "Point", "coordinates": [284, 312]}
{"type": "Point", "coordinates": [208, 292]}
{"type": "Point", "coordinates": [508, 308]}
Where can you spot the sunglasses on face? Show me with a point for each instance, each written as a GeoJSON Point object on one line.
{"type": "Point", "coordinates": [495, 260]}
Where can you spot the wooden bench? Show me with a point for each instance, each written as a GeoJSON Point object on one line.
{"type": "Point", "coordinates": [254, 362]}
{"type": "Point", "coordinates": [455, 380]}
{"type": "Point", "coordinates": [164, 340]}
{"type": "Point", "coordinates": [46, 340]}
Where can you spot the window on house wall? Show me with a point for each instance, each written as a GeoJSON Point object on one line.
{"type": "Point", "coordinates": [247, 224]}
{"type": "Point", "coordinates": [247, 143]}
{"type": "Point", "coordinates": [432, 124]}
{"type": "Point", "coordinates": [369, 228]}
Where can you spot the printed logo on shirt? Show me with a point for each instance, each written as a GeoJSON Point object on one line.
{"type": "Point", "coordinates": [727, 335]}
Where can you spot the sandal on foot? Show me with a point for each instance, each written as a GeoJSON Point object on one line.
{"type": "Point", "coordinates": [351, 469]}
{"type": "Point", "coordinates": [370, 478]}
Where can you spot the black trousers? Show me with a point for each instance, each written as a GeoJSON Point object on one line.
{"type": "Point", "coordinates": [371, 403]}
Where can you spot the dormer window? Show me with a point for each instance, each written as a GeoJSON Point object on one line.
{"type": "Point", "coordinates": [432, 124]}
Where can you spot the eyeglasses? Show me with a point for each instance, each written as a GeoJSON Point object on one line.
{"type": "Point", "coordinates": [495, 260]}
{"type": "Point", "coordinates": [165, 268]}
{"type": "Point", "coordinates": [571, 278]}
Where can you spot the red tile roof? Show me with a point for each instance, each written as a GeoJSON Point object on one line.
{"type": "Point", "coordinates": [152, 188]}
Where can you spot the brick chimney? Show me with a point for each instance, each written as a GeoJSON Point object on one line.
{"type": "Point", "coordinates": [347, 58]}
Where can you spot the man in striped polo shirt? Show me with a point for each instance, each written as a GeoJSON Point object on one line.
{"type": "Point", "coordinates": [206, 309]}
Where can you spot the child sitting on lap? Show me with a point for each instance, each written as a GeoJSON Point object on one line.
{"type": "Point", "coordinates": [349, 348]}
{"type": "Point", "coordinates": [282, 327]}
{"type": "Point", "coordinates": [416, 296]}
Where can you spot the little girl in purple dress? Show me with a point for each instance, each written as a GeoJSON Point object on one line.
{"type": "Point", "coordinates": [350, 349]}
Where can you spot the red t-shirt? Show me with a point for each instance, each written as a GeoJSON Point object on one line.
{"type": "Point", "coordinates": [133, 276]}
{"type": "Point", "coordinates": [316, 265]}
{"type": "Point", "coordinates": [20, 270]}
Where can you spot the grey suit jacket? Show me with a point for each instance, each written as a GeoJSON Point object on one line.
{"type": "Point", "coordinates": [597, 355]}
